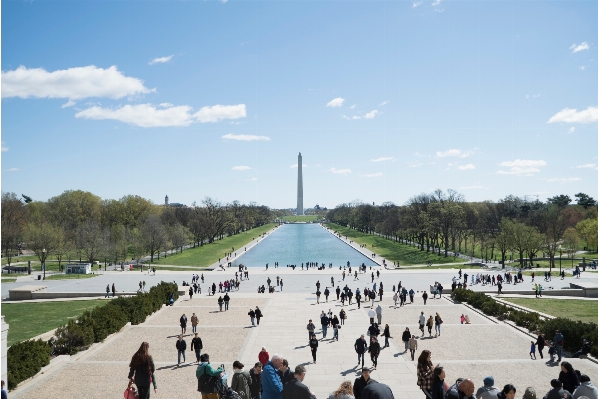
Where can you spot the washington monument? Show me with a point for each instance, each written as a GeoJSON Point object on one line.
{"type": "Point", "coordinates": [299, 185]}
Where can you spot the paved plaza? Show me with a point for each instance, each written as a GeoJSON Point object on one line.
{"type": "Point", "coordinates": [485, 347]}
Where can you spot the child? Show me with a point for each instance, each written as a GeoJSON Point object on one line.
{"type": "Point", "coordinates": [551, 352]}
{"type": "Point", "coordinates": [532, 351]}
{"type": "Point", "coordinates": [462, 319]}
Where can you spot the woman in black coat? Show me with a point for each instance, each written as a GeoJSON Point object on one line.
{"type": "Point", "coordinates": [313, 344]}
{"type": "Point", "coordinates": [438, 387]}
{"type": "Point", "coordinates": [405, 338]}
{"type": "Point", "coordinates": [374, 350]}
{"type": "Point", "coordinates": [141, 371]}
{"type": "Point", "coordinates": [540, 343]}
{"type": "Point", "coordinates": [568, 377]}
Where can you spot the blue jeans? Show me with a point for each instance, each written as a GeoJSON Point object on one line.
{"type": "Point", "coordinates": [559, 352]}
{"type": "Point", "coordinates": [362, 357]}
{"type": "Point", "coordinates": [220, 305]}
{"type": "Point", "coordinates": [336, 333]}
{"type": "Point", "coordinates": [184, 358]}
{"type": "Point", "coordinates": [386, 342]}
{"type": "Point", "coordinates": [324, 331]}
{"type": "Point", "coordinates": [252, 321]}
{"type": "Point", "coordinates": [438, 328]}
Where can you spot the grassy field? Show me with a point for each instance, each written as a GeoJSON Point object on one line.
{"type": "Point", "coordinates": [306, 218]}
{"type": "Point", "coordinates": [574, 309]}
{"type": "Point", "coordinates": [28, 320]}
{"type": "Point", "coordinates": [391, 250]}
{"type": "Point", "coordinates": [69, 276]}
{"type": "Point", "coordinates": [8, 280]}
{"type": "Point", "coordinates": [209, 253]}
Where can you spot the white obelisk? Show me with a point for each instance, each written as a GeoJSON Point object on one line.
{"type": "Point", "coordinates": [300, 185]}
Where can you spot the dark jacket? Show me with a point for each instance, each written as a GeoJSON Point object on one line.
{"type": "Point", "coordinates": [226, 298]}
{"type": "Point", "coordinates": [324, 320]}
{"type": "Point", "coordinates": [142, 373]}
{"type": "Point", "coordinates": [438, 389]}
{"type": "Point", "coordinates": [313, 344]}
{"type": "Point", "coordinates": [406, 336]}
{"type": "Point", "coordinates": [558, 394]}
{"type": "Point", "coordinates": [181, 345]}
{"type": "Point", "coordinates": [359, 385]}
{"type": "Point", "coordinates": [256, 384]}
{"type": "Point", "coordinates": [360, 345]}
{"type": "Point", "coordinates": [374, 331]}
{"type": "Point", "coordinates": [374, 348]}
{"type": "Point", "coordinates": [286, 376]}
{"type": "Point", "coordinates": [376, 390]}
{"type": "Point", "coordinates": [454, 393]}
{"type": "Point", "coordinates": [196, 344]}
{"type": "Point", "coordinates": [258, 313]}
{"type": "Point", "coordinates": [386, 332]}
{"type": "Point", "coordinates": [569, 380]}
{"type": "Point", "coordinates": [251, 313]}
{"type": "Point", "coordinates": [295, 389]}
{"type": "Point", "coordinates": [183, 321]}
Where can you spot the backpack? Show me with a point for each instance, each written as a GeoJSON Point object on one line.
{"type": "Point", "coordinates": [228, 393]}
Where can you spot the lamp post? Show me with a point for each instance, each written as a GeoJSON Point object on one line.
{"type": "Point", "coordinates": [44, 261]}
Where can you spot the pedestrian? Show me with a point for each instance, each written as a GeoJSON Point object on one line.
{"type": "Point", "coordinates": [181, 346]}
{"type": "Point", "coordinates": [422, 322]}
{"type": "Point", "coordinates": [190, 293]}
{"type": "Point", "coordinates": [143, 285]}
{"type": "Point", "coordinates": [295, 389]}
{"type": "Point", "coordinates": [430, 324]}
{"type": "Point", "coordinates": [374, 350]}
{"type": "Point", "coordinates": [343, 316]}
{"type": "Point", "coordinates": [107, 291]}
{"type": "Point", "coordinates": [311, 327]}
{"type": "Point", "coordinates": [395, 298]}
{"type": "Point", "coordinates": [344, 391]}
{"type": "Point", "coordinates": [205, 368]}
{"type": "Point", "coordinates": [568, 377]}
{"type": "Point", "coordinates": [220, 302]}
{"type": "Point", "coordinates": [197, 346]}
{"type": "Point", "coordinates": [251, 315]}
{"type": "Point", "coordinates": [263, 356]}
{"type": "Point", "coordinates": [313, 345]}
{"type": "Point", "coordinates": [437, 323]}
{"type": "Point", "coordinates": [113, 290]}
{"type": "Point", "coordinates": [140, 284]}
{"type": "Point", "coordinates": [318, 293]}
{"type": "Point", "coordinates": [258, 315]}
{"type": "Point", "coordinates": [425, 372]}
{"type": "Point", "coordinates": [335, 326]}
{"type": "Point", "coordinates": [360, 383]}
{"type": "Point", "coordinates": [141, 371]}
{"type": "Point", "coordinates": [405, 338]}
{"type": "Point", "coordinates": [540, 343]}
{"type": "Point", "coordinates": [281, 284]}
{"type": "Point", "coordinates": [488, 391]}
{"type": "Point", "coordinates": [256, 381]}
{"type": "Point", "coordinates": [412, 346]}
{"type": "Point", "coordinates": [386, 335]}
{"type": "Point", "coordinates": [380, 292]}
{"type": "Point", "coordinates": [194, 322]}
{"type": "Point", "coordinates": [551, 351]}
{"type": "Point", "coordinates": [532, 351]}
{"type": "Point", "coordinates": [338, 292]}
{"type": "Point", "coordinates": [373, 331]}
{"type": "Point", "coordinates": [241, 380]}
{"type": "Point", "coordinates": [439, 388]}
{"type": "Point", "coordinates": [326, 293]}
{"type": "Point", "coordinates": [371, 314]}
{"type": "Point", "coordinates": [360, 347]}
{"type": "Point", "coordinates": [324, 321]}
{"type": "Point", "coordinates": [183, 321]}
{"type": "Point", "coordinates": [425, 297]}
{"type": "Point", "coordinates": [379, 313]}
{"type": "Point", "coordinates": [226, 300]}
{"type": "Point", "coordinates": [558, 340]}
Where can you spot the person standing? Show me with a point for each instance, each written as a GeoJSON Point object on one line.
{"type": "Point", "coordinates": [190, 293]}
{"type": "Point", "coordinates": [325, 322]}
{"type": "Point", "coordinates": [313, 345]}
{"type": "Point", "coordinates": [197, 346]}
{"type": "Point", "coordinates": [318, 293]}
{"type": "Point", "coordinates": [395, 297]}
{"type": "Point", "coordinates": [374, 351]}
{"type": "Point", "coordinates": [532, 350]}
{"type": "Point", "coordinates": [251, 315]}
{"type": "Point", "coordinates": [194, 323]}
{"type": "Point", "coordinates": [220, 302]}
{"type": "Point", "coordinates": [183, 321]}
{"type": "Point", "coordinates": [422, 322]}
{"type": "Point", "coordinates": [326, 293]}
{"type": "Point", "coordinates": [281, 285]}
{"type": "Point", "coordinates": [226, 300]}
{"type": "Point", "coordinates": [412, 346]}
{"type": "Point", "coordinates": [425, 372]}
{"type": "Point", "coordinates": [181, 346]}
{"type": "Point", "coordinates": [360, 347]}
{"type": "Point", "coordinates": [371, 315]}
{"type": "Point", "coordinates": [206, 368]}
{"type": "Point", "coordinates": [540, 343]}
{"type": "Point", "coordinates": [358, 298]}
{"type": "Point", "coordinates": [386, 335]}
{"type": "Point", "coordinates": [338, 292]}
{"type": "Point", "coordinates": [342, 315]}
{"type": "Point", "coordinates": [263, 356]}
{"type": "Point", "coordinates": [141, 371]}
{"type": "Point", "coordinates": [335, 326]}
{"type": "Point", "coordinates": [374, 331]}
{"type": "Point", "coordinates": [295, 389]}
{"type": "Point", "coordinates": [113, 290]}
{"type": "Point", "coordinates": [284, 372]}
{"type": "Point", "coordinates": [258, 315]}
{"type": "Point", "coordinates": [439, 387]}
{"type": "Point", "coordinates": [425, 297]}
{"type": "Point", "coordinates": [405, 338]}
{"type": "Point", "coordinates": [256, 381]}
{"type": "Point", "coordinates": [241, 380]}
{"type": "Point", "coordinates": [379, 313]}
{"type": "Point", "coordinates": [558, 340]}
{"type": "Point", "coordinates": [362, 382]}
{"type": "Point", "coordinates": [311, 327]}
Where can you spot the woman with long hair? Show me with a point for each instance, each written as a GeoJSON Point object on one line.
{"type": "Point", "coordinates": [568, 377]}
{"type": "Point", "coordinates": [344, 391]}
{"type": "Point", "coordinates": [425, 373]}
{"type": "Point", "coordinates": [439, 387]}
{"type": "Point", "coordinates": [141, 371]}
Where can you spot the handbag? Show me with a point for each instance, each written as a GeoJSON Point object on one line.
{"type": "Point", "coordinates": [130, 392]}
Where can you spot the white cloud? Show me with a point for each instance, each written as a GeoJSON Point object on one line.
{"type": "Point", "coordinates": [144, 115]}
{"type": "Point", "coordinates": [337, 102]}
{"type": "Point", "coordinates": [252, 179]}
{"type": "Point", "coordinates": [4, 148]}
{"type": "Point", "coordinates": [352, 106]}
{"type": "Point", "coordinates": [371, 115]}
{"type": "Point", "coordinates": [436, 3]}
{"type": "Point", "coordinates": [416, 4]}
{"type": "Point", "coordinates": [454, 153]}
{"type": "Point", "coordinates": [569, 115]}
{"type": "Point", "coordinates": [374, 174]}
{"type": "Point", "coordinates": [161, 60]}
{"type": "Point", "coordinates": [72, 83]}
{"type": "Point", "coordinates": [522, 167]}
{"type": "Point", "coordinates": [579, 47]}
{"type": "Point", "coordinates": [571, 130]}
{"type": "Point", "coordinates": [382, 159]}
{"type": "Point", "coordinates": [383, 103]}
{"type": "Point", "coordinates": [354, 117]}
{"type": "Point", "coordinates": [583, 67]}
{"type": "Point", "coordinates": [471, 188]}
{"type": "Point", "coordinates": [414, 164]}
{"type": "Point", "coordinates": [340, 171]}
{"type": "Point", "coordinates": [563, 180]}
{"type": "Point", "coordinates": [166, 105]}
{"type": "Point", "coordinates": [12, 170]}
{"type": "Point", "coordinates": [587, 166]}
{"type": "Point", "coordinates": [294, 166]}
{"type": "Point", "coordinates": [241, 168]}
{"type": "Point", "coordinates": [218, 112]}
{"type": "Point", "coordinates": [469, 166]}
{"type": "Point", "coordinates": [245, 137]}
{"type": "Point", "coordinates": [69, 103]}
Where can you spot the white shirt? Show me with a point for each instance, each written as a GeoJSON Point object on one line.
{"type": "Point", "coordinates": [371, 313]}
{"type": "Point", "coordinates": [422, 319]}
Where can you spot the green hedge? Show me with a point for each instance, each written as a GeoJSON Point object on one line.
{"type": "Point", "coordinates": [25, 359]}
{"type": "Point", "coordinates": [574, 331]}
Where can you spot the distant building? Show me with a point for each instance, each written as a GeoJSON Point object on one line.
{"type": "Point", "coordinates": [173, 204]}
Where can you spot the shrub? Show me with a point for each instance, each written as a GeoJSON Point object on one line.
{"type": "Point", "coordinates": [106, 320]}
{"type": "Point", "coordinates": [73, 336]}
{"type": "Point", "coordinates": [25, 359]}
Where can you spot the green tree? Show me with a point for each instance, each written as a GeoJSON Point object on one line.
{"type": "Point", "coordinates": [43, 239]}
{"type": "Point", "coordinates": [14, 221]}
{"type": "Point", "coordinates": [588, 230]}
{"type": "Point", "coordinates": [585, 200]}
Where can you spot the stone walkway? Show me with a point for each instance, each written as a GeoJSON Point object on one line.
{"type": "Point", "coordinates": [482, 348]}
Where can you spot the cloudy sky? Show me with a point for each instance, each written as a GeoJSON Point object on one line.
{"type": "Point", "coordinates": [383, 99]}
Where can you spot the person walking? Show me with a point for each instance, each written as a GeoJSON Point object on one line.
{"type": "Point", "coordinates": [338, 292]}
{"type": "Point", "coordinates": [430, 324]}
{"type": "Point", "coordinates": [295, 389]}
{"type": "Point", "coordinates": [412, 346]}
{"type": "Point", "coordinates": [437, 323]}
{"type": "Point", "coordinates": [183, 321]}
{"type": "Point", "coordinates": [190, 293]}
{"type": "Point", "coordinates": [194, 323]}
{"type": "Point", "coordinates": [311, 327]}
{"type": "Point", "coordinates": [386, 335]}
{"type": "Point", "coordinates": [405, 338]}
{"type": "Point", "coordinates": [196, 346]}
{"type": "Point", "coordinates": [373, 331]}
{"type": "Point", "coordinates": [532, 350]}
{"type": "Point", "coordinates": [395, 298]}
{"type": "Point", "coordinates": [256, 381]}
{"type": "Point", "coordinates": [205, 368]}
{"type": "Point", "coordinates": [425, 297]}
{"type": "Point", "coordinates": [226, 301]}
{"type": "Point", "coordinates": [379, 313]}
{"type": "Point", "coordinates": [360, 383]}
{"type": "Point", "coordinates": [425, 373]}
{"type": "Point", "coordinates": [251, 315]}
{"type": "Point", "coordinates": [558, 340]}
{"type": "Point", "coordinates": [343, 316]}
{"type": "Point", "coordinates": [313, 345]}
{"type": "Point", "coordinates": [439, 388]}
{"type": "Point", "coordinates": [422, 322]}
{"type": "Point", "coordinates": [181, 346]}
{"type": "Point", "coordinates": [318, 293]}
{"type": "Point", "coordinates": [220, 302]}
{"type": "Point", "coordinates": [107, 291]}
{"type": "Point", "coordinates": [258, 315]}
{"type": "Point", "coordinates": [374, 351]}
{"type": "Point", "coordinates": [335, 326]}
{"type": "Point", "coordinates": [326, 293]}
{"type": "Point", "coordinates": [372, 315]}
{"type": "Point", "coordinates": [360, 347]}
{"type": "Point", "coordinates": [540, 343]}
{"type": "Point", "coordinates": [344, 391]}
{"type": "Point", "coordinates": [113, 290]}
{"type": "Point", "coordinates": [324, 321]}
{"type": "Point", "coordinates": [241, 380]}
{"type": "Point", "coordinates": [263, 356]}
{"type": "Point", "coordinates": [141, 371]}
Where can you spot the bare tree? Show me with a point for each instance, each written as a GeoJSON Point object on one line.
{"type": "Point", "coordinates": [14, 220]}
{"type": "Point", "coordinates": [153, 235]}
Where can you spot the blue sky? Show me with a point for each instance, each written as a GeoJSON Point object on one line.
{"type": "Point", "coordinates": [384, 99]}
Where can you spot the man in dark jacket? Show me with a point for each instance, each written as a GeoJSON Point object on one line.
{"type": "Point", "coordinates": [256, 381]}
{"type": "Point", "coordinates": [197, 346]}
{"type": "Point", "coordinates": [461, 390]}
{"type": "Point", "coordinates": [361, 346]}
{"type": "Point", "coordinates": [284, 372]}
{"type": "Point", "coordinates": [362, 382]}
{"type": "Point", "coordinates": [338, 292]}
{"type": "Point", "coordinates": [325, 322]}
{"type": "Point", "coordinates": [376, 390]}
{"type": "Point", "coordinates": [226, 300]}
{"type": "Point", "coordinates": [296, 389]}
{"type": "Point", "coordinates": [181, 347]}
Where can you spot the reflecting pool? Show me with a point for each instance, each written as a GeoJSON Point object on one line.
{"type": "Point", "coordinates": [293, 244]}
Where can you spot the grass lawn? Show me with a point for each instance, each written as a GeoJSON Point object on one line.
{"type": "Point", "coordinates": [393, 251]}
{"type": "Point", "coordinates": [8, 280]}
{"type": "Point", "coordinates": [456, 267]}
{"type": "Point", "coordinates": [69, 276]}
{"type": "Point", "coordinates": [306, 218]}
{"type": "Point", "coordinates": [210, 253]}
{"type": "Point", "coordinates": [574, 309]}
{"type": "Point", "coordinates": [28, 320]}
{"type": "Point", "coordinates": [16, 259]}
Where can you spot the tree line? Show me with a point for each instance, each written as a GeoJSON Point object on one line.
{"type": "Point", "coordinates": [443, 221]}
{"type": "Point", "coordinates": [82, 225]}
